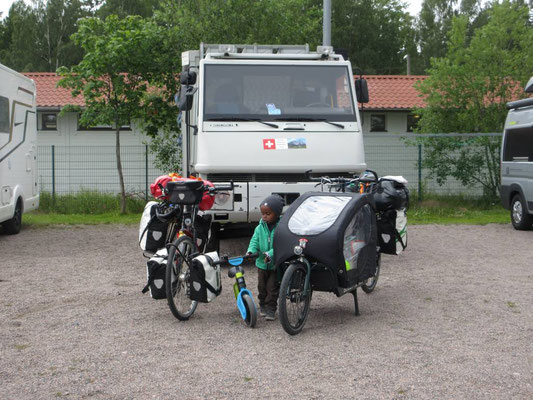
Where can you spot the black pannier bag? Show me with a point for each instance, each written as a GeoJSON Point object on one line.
{"type": "Point", "coordinates": [185, 192]}
{"type": "Point", "coordinates": [392, 231]}
{"type": "Point", "coordinates": [152, 231]}
{"type": "Point", "coordinates": [391, 194]}
{"type": "Point", "coordinates": [342, 237]}
{"type": "Point", "coordinates": [205, 279]}
{"type": "Point", "coordinates": [202, 226]}
{"type": "Point", "coordinates": [155, 272]}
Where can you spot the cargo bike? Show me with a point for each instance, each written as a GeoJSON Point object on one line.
{"type": "Point", "coordinates": [328, 241]}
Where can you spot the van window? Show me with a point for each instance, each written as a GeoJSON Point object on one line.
{"type": "Point", "coordinates": [4, 114]}
{"type": "Point", "coordinates": [518, 145]}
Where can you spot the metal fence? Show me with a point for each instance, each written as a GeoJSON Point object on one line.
{"type": "Point", "coordinates": [71, 169]}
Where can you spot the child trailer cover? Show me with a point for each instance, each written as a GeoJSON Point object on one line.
{"type": "Point", "coordinates": [341, 234]}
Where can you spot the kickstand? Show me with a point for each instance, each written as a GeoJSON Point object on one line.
{"type": "Point", "coordinates": [356, 303]}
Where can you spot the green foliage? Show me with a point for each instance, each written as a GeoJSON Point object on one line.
{"type": "Point", "coordinates": [241, 21]}
{"type": "Point", "coordinates": [123, 8]}
{"type": "Point", "coordinates": [36, 38]}
{"type": "Point", "coordinates": [121, 57]}
{"type": "Point", "coordinates": [167, 148]}
{"type": "Point", "coordinates": [377, 34]}
{"type": "Point", "coordinates": [87, 202]}
{"type": "Point", "coordinates": [467, 92]}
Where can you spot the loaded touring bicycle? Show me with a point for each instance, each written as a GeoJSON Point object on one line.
{"type": "Point", "coordinates": [332, 242]}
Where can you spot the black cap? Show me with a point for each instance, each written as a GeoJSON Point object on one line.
{"type": "Point", "coordinates": [275, 202]}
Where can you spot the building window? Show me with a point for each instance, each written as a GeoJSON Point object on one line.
{"type": "Point", "coordinates": [49, 121]}
{"type": "Point", "coordinates": [4, 114]}
{"type": "Point", "coordinates": [101, 127]}
{"type": "Point", "coordinates": [377, 123]}
{"type": "Point", "coordinates": [412, 122]}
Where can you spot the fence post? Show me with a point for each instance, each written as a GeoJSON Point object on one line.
{"type": "Point", "coordinates": [419, 172]}
{"type": "Point", "coordinates": [53, 174]}
{"type": "Point", "coordinates": [146, 172]}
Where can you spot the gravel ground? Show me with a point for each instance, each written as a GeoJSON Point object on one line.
{"type": "Point", "coordinates": [451, 318]}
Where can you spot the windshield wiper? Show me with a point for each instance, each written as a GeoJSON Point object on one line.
{"type": "Point", "coordinates": [239, 119]}
{"type": "Point", "coordinates": [306, 119]}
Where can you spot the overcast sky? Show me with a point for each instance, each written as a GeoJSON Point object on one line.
{"type": "Point", "coordinates": [413, 6]}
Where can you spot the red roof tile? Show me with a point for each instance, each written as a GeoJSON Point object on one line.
{"type": "Point", "coordinates": [48, 94]}
{"type": "Point", "coordinates": [393, 92]}
{"type": "Point", "coordinates": [387, 92]}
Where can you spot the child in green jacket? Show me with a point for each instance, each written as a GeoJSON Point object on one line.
{"type": "Point", "coordinates": [262, 243]}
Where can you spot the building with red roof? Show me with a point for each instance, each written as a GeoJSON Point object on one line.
{"type": "Point", "coordinates": [392, 100]}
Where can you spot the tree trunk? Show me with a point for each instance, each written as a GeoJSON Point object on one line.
{"type": "Point", "coordinates": [119, 169]}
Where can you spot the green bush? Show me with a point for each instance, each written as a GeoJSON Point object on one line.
{"type": "Point", "coordinates": [88, 202]}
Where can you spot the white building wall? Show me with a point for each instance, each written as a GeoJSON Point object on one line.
{"type": "Point", "coordinates": [68, 134]}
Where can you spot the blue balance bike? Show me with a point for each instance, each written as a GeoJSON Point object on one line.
{"type": "Point", "coordinates": [245, 300]}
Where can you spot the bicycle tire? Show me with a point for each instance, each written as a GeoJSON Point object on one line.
{"type": "Point", "coordinates": [370, 284]}
{"type": "Point", "coordinates": [251, 312]}
{"type": "Point", "coordinates": [293, 303]}
{"type": "Point", "coordinates": [177, 279]}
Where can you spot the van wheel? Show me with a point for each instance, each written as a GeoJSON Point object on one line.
{"type": "Point", "coordinates": [520, 219]}
{"type": "Point", "coordinates": [12, 226]}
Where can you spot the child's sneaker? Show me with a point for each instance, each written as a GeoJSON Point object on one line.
{"type": "Point", "coordinates": [262, 312]}
{"type": "Point", "coordinates": [270, 315]}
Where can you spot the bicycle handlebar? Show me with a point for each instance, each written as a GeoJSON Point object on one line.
{"type": "Point", "coordinates": [344, 180]}
{"type": "Point", "coordinates": [225, 260]}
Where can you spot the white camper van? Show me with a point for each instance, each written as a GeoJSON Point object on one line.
{"type": "Point", "coordinates": [262, 115]}
{"type": "Point", "coordinates": [18, 148]}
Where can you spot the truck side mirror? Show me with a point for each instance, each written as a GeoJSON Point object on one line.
{"type": "Point", "coordinates": [186, 96]}
{"type": "Point", "coordinates": [188, 78]}
{"type": "Point", "coordinates": [361, 90]}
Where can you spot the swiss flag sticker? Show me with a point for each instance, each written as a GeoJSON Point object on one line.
{"type": "Point", "coordinates": [269, 144]}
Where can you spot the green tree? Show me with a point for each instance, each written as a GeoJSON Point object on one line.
{"type": "Point", "coordinates": [123, 8]}
{"type": "Point", "coordinates": [112, 76]}
{"type": "Point", "coordinates": [434, 23]}
{"type": "Point", "coordinates": [36, 37]}
{"type": "Point", "coordinates": [376, 34]}
{"type": "Point", "coordinates": [19, 38]}
{"type": "Point", "coordinates": [467, 91]}
{"type": "Point", "coordinates": [241, 21]}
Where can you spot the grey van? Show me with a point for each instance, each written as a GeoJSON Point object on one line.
{"type": "Point", "coordinates": [517, 161]}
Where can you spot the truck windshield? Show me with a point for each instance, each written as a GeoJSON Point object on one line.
{"type": "Point", "coordinates": [278, 92]}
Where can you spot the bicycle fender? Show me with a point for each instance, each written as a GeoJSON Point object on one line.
{"type": "Point", "coordinates": [240, 303]}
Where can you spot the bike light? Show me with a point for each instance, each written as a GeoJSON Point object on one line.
{"type": "Point", "coordinates": [298, 250]}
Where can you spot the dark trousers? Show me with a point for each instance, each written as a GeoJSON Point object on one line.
{"type": "Point", "coordinates": [268, 287]}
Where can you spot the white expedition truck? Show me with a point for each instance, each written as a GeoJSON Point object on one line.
{"type": "Point", "coordinates": [18, 148]}
{"type": "Point", "coordinates": [263, 115]}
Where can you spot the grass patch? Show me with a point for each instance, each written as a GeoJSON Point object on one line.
{"type": "Point", "coordinates": [40, 219]}
{"type": "Point", "coordinates": [457, 210]}
{"type": "Point", "coordinates": [88, 202]}
{"type": "Point", "coordinates": [93, 208]}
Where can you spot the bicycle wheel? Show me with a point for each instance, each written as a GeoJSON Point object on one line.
{"type": "Point", "coordinates": [371, 283]}
{"type": "Point", "coordinates": [293, 302]}
{"type": "Point", "coordinates": [251, 312]}
{"type": "Point", "coordinates": [177, 279]}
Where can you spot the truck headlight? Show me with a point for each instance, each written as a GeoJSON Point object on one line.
{"type": "Point", "coordinates": [222, 198]}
